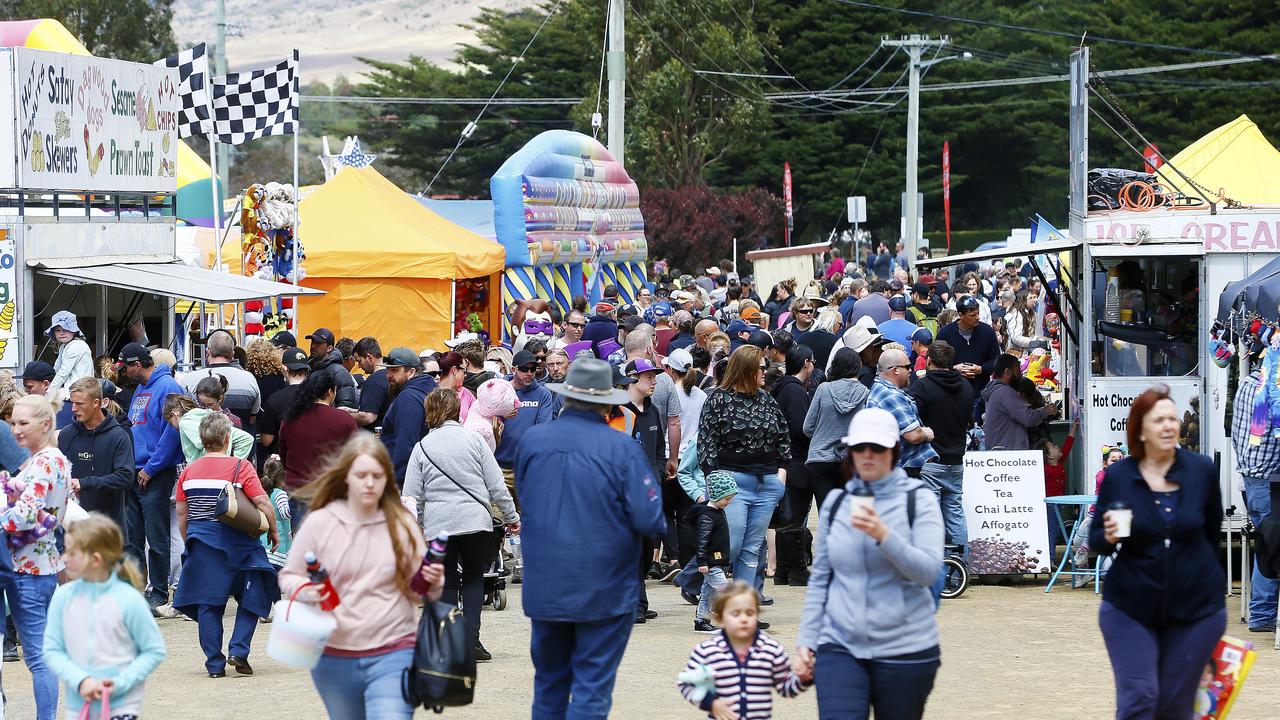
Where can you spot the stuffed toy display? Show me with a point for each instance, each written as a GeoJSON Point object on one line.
{"type": "Point", "coordinates": [531, 319]}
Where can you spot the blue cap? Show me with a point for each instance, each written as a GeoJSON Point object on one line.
{"type": "Point", "coordinates": [662, 309]}
{"type": "Point", "coordinates": [897, 303]}
{"type": "Point", "coordinates": [64, 319]}
{"type": "Point", "coordinates": [922, 336]}
{"type": "Point", "coordinates": [738, 326]}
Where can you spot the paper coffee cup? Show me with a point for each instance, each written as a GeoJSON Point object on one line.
{"type": "Point", "coordinates": [860, 505]}
{"type": "Point", "coordinates": [1123, 518]}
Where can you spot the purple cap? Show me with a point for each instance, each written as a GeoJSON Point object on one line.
{"type": "Point", "coordinates": [640, 366]}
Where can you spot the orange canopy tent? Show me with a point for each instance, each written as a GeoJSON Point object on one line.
{"type": "Point", "coordinates": [387, 263]}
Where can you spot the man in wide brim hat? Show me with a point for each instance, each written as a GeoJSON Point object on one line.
{"type": "Point", "coordinates": [586, 488]}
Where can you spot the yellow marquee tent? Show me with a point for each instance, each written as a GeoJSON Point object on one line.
{"type": "Point", "coordinates": [387, 263]}
{"type": "Point", "coordinates": [1235, 160]}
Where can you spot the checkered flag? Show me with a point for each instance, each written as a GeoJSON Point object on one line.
{"type": "Point", "coordinates": [254, 104]}
{"type": "Point", "coordinates": [193, 87]}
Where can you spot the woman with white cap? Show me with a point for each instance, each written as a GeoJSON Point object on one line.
{"type": "Point", "coordinates": [75, 359]}
{"type": "Point", "coordinates": [868, 632]}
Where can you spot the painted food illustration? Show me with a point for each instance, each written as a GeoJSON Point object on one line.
{"type": "Point", "coordinates": [37, 152]}
{"type": "Point", "coordinates": [95, 157]}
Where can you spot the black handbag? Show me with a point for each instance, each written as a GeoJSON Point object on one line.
{"type": "Point", "coordinates": [443, 673]}
{"type": "Point", "coordinates": [235, 509]}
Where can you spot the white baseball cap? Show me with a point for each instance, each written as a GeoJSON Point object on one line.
{"type": "Point", "coordinates": [872, 425]}
{"type": "Point", "coordinates": [461, 338]}
{"type": "Point", "coordinates": [679, 360]}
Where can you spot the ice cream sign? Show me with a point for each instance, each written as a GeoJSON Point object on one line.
{"type": "Point", "coordinates": [1228, 231]}
{"type": "Point", "coordinates": [93, 124]}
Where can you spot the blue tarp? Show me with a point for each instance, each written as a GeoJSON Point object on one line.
{"type": "Point", "coordinates": [474, 215]}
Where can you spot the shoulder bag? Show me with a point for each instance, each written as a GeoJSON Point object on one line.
{"type": "Point", "coordinates": [443, 672]}
{"type": "Point", "coordinates": [497, 530]}
{"type": "Point", "coordinates": [235, 509]}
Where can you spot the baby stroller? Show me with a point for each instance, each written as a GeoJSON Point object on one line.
{"type": "Point", "coordinates": [495, 577]}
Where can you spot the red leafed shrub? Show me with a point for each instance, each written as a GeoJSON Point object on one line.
{"type": "Point", "coordinates": [694, 226]}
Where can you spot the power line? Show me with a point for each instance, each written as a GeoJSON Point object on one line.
{"type": "Point", "coordinates": [466, 131]}
{"type": "Point", "coordinates": [369, 100]}
{"type": "Point", "coordinates": [1080, 37]}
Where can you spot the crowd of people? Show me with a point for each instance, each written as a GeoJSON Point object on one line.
{"type": "Point", "coordinates": [684, 439]}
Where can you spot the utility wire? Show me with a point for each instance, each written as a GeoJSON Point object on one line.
{"type": "Point", "coordinates": [466, 131]}
{"type": "Point", "coordinates": [1056, 33]}
{"type": "Point", "coordinates": [604, 46]}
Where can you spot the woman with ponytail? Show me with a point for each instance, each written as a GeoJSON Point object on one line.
{"type": "Point", "coordinates": [101, 637]}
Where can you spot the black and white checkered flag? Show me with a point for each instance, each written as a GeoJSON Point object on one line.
{"type": "Point", "coordinates": [254, 104]}
{"type": "Point", "coordinates": [193, 88]}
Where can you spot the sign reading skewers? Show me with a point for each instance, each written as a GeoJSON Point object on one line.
{"type": "Point", "coordinates": [94, 124]}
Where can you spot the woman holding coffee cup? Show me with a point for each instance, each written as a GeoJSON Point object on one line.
{"type": "Point", "coordinates": [869, 633]}
{"type": "Point", "coordinates": [1162, 607]}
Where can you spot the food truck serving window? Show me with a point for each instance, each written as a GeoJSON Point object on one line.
{"type": "Point", "coordinates": [1146, 313]}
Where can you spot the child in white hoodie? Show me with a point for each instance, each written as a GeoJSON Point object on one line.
{"type": "Point", "coordinates": [75, 359]}
{"type": "Point", "coordinates": [101, 638]}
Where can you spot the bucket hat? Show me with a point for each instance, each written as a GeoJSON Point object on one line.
{"type": "Point", "coordinates": [590, 380]}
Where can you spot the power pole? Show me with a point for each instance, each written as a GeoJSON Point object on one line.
{"type": "Point", "coordinates": [617, 60]}
{"type": "Point", "coordinates": [220, 68]}
{"type": "Point", "coordinates": [915, 46]}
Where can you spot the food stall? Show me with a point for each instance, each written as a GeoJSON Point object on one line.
{"type": "Point", "coordinates": [88, 195]}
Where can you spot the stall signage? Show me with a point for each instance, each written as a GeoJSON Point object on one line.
{"type": "Point", "coordinates": [1005, 513]}
{"type": "Point", "coordinates": [95, 124]}
{"type": "Point", "coordinates": [1238, 232]}
{"type": "Point", "coordinates": [8, 302]}
{"type": "Point", "coordinates": [1106, 415]}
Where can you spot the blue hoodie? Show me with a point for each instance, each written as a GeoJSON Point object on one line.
{"type": "Point", "coordinates": [406, 422]}
{"type": "Point", "coordinates": [156, 445]}
{"type": "Point", "coordinates": [537, 405]}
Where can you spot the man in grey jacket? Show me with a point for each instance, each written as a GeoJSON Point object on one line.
{"type": "Point", "coordinates": [1008, 416]}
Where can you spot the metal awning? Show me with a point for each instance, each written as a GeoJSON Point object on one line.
{"type": "Point", "coordinates": [1041, 248]}
{"type": "Point", "coordinates": [173, 279]}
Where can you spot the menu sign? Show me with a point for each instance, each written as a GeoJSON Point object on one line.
{"type": "Point", "coordinates": [93, 124]}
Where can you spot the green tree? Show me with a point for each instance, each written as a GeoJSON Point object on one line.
{"type": "Point", "coordinates": [137, 30]}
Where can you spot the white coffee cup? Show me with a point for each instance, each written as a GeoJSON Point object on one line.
{"type": "Point", "coordinates": [1123, 518]}
{"type": "Point", "coordinates": [861, 503]}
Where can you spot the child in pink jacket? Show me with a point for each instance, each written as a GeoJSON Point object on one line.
{"type": "Point", "coordinates": [495, 400]}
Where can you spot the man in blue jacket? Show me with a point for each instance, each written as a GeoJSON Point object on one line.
{"type": "Point", "coordinates": [585, 486]}
{"type": "Point", "coordinates": [537, 406]}
{"type": "Point", "coordinates": [406, 420]}
{"type": "Point", "coordinates": [156, 454]}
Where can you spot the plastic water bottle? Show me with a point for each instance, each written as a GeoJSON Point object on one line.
{"type": "Point", "coordinates": [318, 575]}
{"type": "Point", "coordinates": [436, 549]}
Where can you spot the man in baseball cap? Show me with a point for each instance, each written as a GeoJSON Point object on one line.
{"type": "Point", "coordinates": [328, 359]}
{"type": "Point", "coordinates": [569, 476]}
{"type": "Point", "coordinates": [284, 339]}
{"type": "Point", "coordinates": [921, 339]}
{"type": "Point", "coordinates": [650, 430]}
{"type": "Point", "coordinates": [402, 427]}
{"type": "Point", "coordinates": [897, 328]}
{"type": "Point", "coordinates": [37, 375]}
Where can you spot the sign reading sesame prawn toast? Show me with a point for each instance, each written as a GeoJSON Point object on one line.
{"type": "Point", "coordinates": [1004, 510]}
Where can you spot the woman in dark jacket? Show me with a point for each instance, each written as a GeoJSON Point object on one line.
{"type": "Point", "coordinates": [743, 431]}
{"type": "Point", "coordinates": [792, 536]}
{"type": "Point", "coordinates": [1162, 606]}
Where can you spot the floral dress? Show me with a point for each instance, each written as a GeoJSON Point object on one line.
{"type": "Point", "coordinates": [47, 476]}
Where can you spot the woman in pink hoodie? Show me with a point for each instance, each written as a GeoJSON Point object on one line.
{"type": "Point", "coordinates": [495, 399]}
{"type": "Point", "coordinates": [371, 547]}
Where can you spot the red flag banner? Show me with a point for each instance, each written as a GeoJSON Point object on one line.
{"type": "Point", "coordinates": [786, 196]}
{"type": "Point", "coordinates": [946, 190]}
{"type": "Point", "coordinates": [1151, 158]}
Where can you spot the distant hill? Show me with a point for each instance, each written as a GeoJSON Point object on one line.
{"type": "Point", "coordinates": [331, 33]}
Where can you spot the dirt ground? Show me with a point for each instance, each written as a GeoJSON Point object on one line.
{"type": "Point", "coordinates": [1008, 652]}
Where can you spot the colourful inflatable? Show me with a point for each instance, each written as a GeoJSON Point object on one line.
{"type": "Point", "coordinates": [569, 217]}
{"type": "Point", "coordinates": [195, 198]}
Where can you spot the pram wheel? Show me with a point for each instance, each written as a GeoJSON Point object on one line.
{"type": "Point", "coordinates": [499, 599]}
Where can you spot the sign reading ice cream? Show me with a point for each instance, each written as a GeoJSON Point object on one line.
{"type": "Point", "coordinates": [93, 124]}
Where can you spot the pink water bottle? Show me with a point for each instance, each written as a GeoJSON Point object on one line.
{"type": "Point", "coordinates": [435, 555]}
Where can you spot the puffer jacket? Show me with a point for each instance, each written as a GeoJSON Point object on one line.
{"type": "Point", "coordinates": [331, 363]}
{"type": "Point", "coordinates": [874, 599]}
{"type": "Point", "coordinates": [711, 535]}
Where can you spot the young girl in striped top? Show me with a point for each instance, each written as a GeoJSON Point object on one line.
{"type": "Point", "coordinates": [741, 665]}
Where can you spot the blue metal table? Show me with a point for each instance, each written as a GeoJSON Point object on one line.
{"type": "Point", "coordinates": [1083, 502]}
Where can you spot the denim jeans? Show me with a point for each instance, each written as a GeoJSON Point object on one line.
{"type": "Point", "coordinates": [364, 687]}
{"type": "Point", "coordinates": [297, 511]}
{"type": "Point", "coordinates": [135, 535]}
{"type": "Point", "coordinates": [29, 604]}
{"type": "Point", "coordinates": [748, 517]}
{"type": "Point", "coordinates": [209, 623]}
{"type": "Point", "coordinates": [1264, 590]}
{"type": "Point", "coordinates": [849, 688]}
{"type": "Point", "coordinates": [712, 584]}
{"type": "Point", "coordinates": [575, 665]}
{"type": "Point", "coordinates": [947, 482]}
{"type": "Point", "coordinates": [154, 499]}
{"type": "Point", "coordinates": [1157, 670]}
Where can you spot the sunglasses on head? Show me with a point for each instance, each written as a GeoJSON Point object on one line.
{"type": "Point", "coordinates": [528, 368]}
